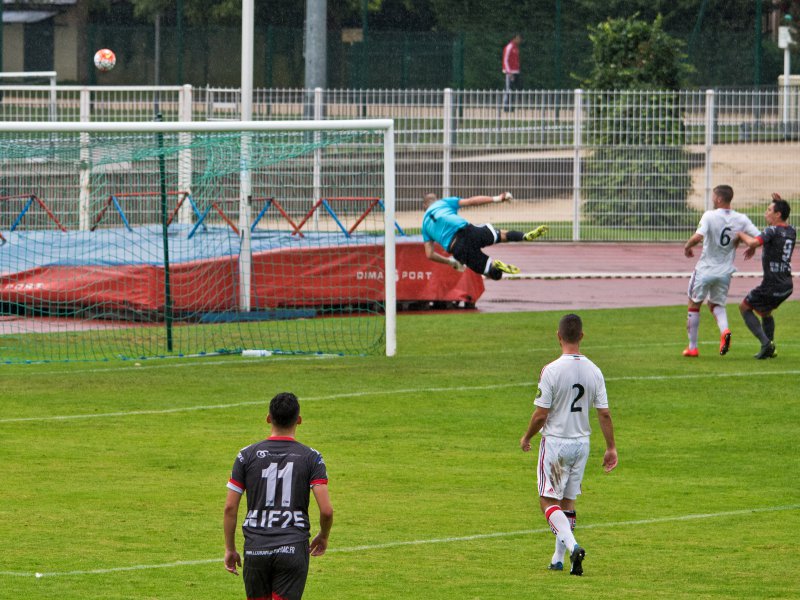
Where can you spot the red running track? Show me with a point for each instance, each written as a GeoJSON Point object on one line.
{"type": "Point", "coordinates": [539, 258]}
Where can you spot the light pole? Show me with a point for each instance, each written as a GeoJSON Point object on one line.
{"type": "Point", "coordinates": [784, 41]}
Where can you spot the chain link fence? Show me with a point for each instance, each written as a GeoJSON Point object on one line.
{"type": "Point", "coordinates": [551, 58]}
{"type": "Point", "coordinates": [594, 165]}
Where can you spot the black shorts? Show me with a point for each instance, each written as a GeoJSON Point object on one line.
{"type": "Point", "coordinates": [282, 570]}
{"type": "Point", "coordinates": [466, 247]}
{"type": "Point", "coordinates": [766, 298]}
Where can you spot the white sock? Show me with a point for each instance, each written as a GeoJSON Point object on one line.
{"type": "Point", "coordinates": [559, 523]}
{"type": "Point", "coordinates": [558, 555]}
{"type": "Point", "coordinates": [692, 325]}
{"type": "Point", "coordinates": [721, 315]}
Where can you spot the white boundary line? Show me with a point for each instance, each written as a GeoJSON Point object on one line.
{"type": "Point", "coordinates": [447, 540]}
{"type": "Point", "coordinates": [477, 388]}
{"type": "Point", "coordinates": [375, 393]}
{"type": "Point", "coordinates": [236, 360]}
{"type": "Point", "coordinates": [616, 275]}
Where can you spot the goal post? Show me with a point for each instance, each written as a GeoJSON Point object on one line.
{"type": "Point", "coordinates": [167, 252]}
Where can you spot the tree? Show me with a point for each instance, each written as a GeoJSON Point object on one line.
{"type": "Point", "coordinates": [195, 12]}
{"type": "Point", "coordinates": [397, 14]}
{"type": "Point", "coordinates": [638, 173]}
{"type": "Point", "coordinates": [629, 53]}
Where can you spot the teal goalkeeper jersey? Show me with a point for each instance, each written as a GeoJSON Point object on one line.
{"type": "Point", "coordinates": [441, 222]}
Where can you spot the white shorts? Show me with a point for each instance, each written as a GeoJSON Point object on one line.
{"type": "Point", "coordinates": [561, 465]}
{"type": "Point", "coordinates": [713, 287]}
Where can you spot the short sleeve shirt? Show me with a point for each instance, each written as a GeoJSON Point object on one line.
{"type": "Point", "coordinates": [568, 387]}
{"type": "Point", "coordinates": [776, 255]}
{"type": "Point", "coordinates": [719, 228]}
{"type": "Point", "coordinates": [277, 474]}
{"type": "Point", "coordinates": [441, 222]}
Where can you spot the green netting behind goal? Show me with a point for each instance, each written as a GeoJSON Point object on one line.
{"type": "Point", "coordinates": [135, 245]}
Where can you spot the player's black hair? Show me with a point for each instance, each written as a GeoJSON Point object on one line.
{"type": "Point", "coordinates": [782, 206]}
{"type": "Point", "coordinates": [570, 328]}
{"type": "Point", "coordinates": [284, 409]}
{"type": "Point", "coordinates": [725, 192]}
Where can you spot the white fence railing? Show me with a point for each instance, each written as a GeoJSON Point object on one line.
{"type": "Point", "coordinates": [595, 165]}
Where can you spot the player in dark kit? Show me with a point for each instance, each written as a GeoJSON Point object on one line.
{"type": "Point", "coordinates": [778, 240]}
{"type": "Point", "coordinates": [278, 475]}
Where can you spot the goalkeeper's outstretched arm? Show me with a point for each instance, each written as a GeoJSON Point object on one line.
{"type": "Point", "coordinates": [478, 200]}
{"type": "Point", "coordinates": [445, 260]}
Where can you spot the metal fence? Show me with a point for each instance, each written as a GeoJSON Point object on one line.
{"type": "Point", "coordinates": [553, 55]}
{"type": "Point", "coordinates": [595, 165]}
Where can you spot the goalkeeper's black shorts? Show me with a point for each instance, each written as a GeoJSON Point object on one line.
{"type": "Point", "coordinates": [467, 246]}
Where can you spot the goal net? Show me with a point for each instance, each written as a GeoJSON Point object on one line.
{"type": "Point", "coordinates": [137, 240]}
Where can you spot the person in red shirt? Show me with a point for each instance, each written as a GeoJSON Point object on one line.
{"type": "Point", "coordinates": [511, 70]}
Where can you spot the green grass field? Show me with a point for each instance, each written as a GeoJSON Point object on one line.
{"type": "Point", "coordinates": [113, 476]}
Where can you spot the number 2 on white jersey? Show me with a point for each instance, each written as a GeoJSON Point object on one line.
{"type": "Point", "coordinates": [580, 391]}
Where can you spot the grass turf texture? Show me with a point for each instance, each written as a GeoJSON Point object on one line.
{"type": "Point", "coordinates": [433, 497]}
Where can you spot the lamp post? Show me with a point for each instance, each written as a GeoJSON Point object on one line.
{"type": "Point", "coordinates": [784, 41]}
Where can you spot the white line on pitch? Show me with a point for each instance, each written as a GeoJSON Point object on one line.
{"type": "Point", "coordinates": [477, 388]}
{"type": "Point", "coordinates": [447, 540]}
{"type": "Point", "coordinates": [174, 363]}
{"type": "Point", "coordinates": [151, 363]}
{"type": "Point", "coordinates": [256, 403]}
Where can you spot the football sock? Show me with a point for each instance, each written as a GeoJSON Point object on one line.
{"type": "Point", "coordinates": [754, 325]}
{"type": "Point", "coordinates": [692, 325]}
{"type": "Point", "coordinates": [558, 555]}
{"type": "Point", "coordinates": [721, 315]}
{"type": "Point", "coordinates": [768, 323]}
{"type": "Point", "coordinates": [561, 549]}
{"type": "Point", "coordinates": [514, 236]}
{"type": "Point", "coordinates": [559, 523]}
{"type": "Point", "coordinates": [571, 515]}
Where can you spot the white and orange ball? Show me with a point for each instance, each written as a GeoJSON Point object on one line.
{"type": "Point", "coordinates": [105, 59]}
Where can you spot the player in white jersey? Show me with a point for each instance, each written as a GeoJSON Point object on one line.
{"type": "Point", "coordinates": [712, 274]}
{"type": "Point", "coordinates": [568, 387]}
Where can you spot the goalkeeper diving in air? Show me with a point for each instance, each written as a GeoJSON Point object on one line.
{"type": "Point", "coordinates": [443, 225]}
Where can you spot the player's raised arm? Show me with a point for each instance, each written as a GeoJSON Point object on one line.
{"type": "Point", "coordinates": [749, 240]}
{"type": "Point", "coordinates": [479, 200]}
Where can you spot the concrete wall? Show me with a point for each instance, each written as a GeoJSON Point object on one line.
{"type": "Point", "coordinates": [13, 43]}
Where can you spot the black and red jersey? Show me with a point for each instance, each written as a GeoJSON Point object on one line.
{"type": "Point", "coordinates": [277, 475]}
{"type": "Point", "coordinates": [776, 254]}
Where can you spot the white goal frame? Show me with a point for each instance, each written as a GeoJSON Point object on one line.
{"type": "Point", "coordinates": [384, 125]}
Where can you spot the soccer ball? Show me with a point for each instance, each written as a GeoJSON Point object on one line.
{"type": "Point", "coordinates": [105, 59]}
